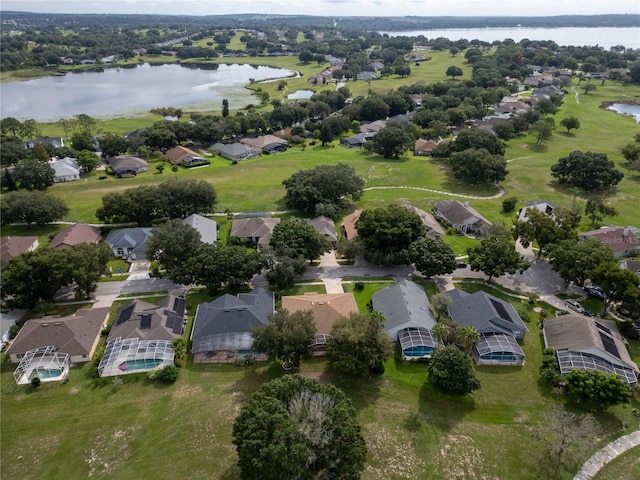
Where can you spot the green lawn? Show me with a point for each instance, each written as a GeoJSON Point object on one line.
{"type": "Point", "coordinates": [625, 467]}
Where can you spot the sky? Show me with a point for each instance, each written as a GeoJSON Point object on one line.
{"type": "Point", "coordinates": [335, 8]}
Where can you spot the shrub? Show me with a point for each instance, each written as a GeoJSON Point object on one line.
{"type": "Point", "coordinates": [524, 313]}
{"type": "Point", "coordinates": [358, 286]}
{"type": "Point", "coordinates": [509, 204]}
{"type": "Point", "coordinates": [628, 330]}
{"type": "Point", "coordinates": [550, 370]}
{"type": "Point", "coordinates": [35, 382]}
{"type": "Point", "coordinates": [167, 374]}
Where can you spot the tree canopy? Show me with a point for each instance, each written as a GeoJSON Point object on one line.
{"type": "Point", "coordinates": [393, 140]}
{"type": "Point", "coordinates": [454, 72]}
{"type": "Point", "coordinates": [596, 387]}
{"type": "Point", "coordinates": [387, 233]}
{"type": "Point", "coordinates": [324, 189]}
{"type": "Point", "coordinates": [358, 346]}
{"type": "Point", "coordinates": [287, 336]}
{"type": "Point", "coordinates": [497, 255]}
{"type": "Point", "coordinates": [586, 170]}
{"type": "Point", "coordinates": [432, 257]}
{"type": "Point", "coordinates": [451, 371]}
{"type": "Point", "coordinates": [294, 237]}
{"type": "Point", "coordinates": [23, 206]}
{"type": "Point", "coordinates": [33, 174]}
{"type": "Point", "coordinates": [478, 166]}
{"type": "Point", "coordinates": [173, 244]}
{"type": "Point", "coordinates": [575, 260]}
{"type": "Point", "coordinates": [294, 427]}
{"type": "Point", "coordinates": [544, 229]}
{"type": "Point", "coordinates": [618, 284]}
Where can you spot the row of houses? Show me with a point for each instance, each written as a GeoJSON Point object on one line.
{"type": "Point", "coordinates": [141, 336]}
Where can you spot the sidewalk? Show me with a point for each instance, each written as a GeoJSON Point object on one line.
{"type": "Point", "coordinates": [603, 456]}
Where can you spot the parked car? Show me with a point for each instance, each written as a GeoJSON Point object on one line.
{"type": "Point", "coordinates": [594, 291]}
{"type": "Point", "coordinates": [574, 305]}
{"type": "Point", "coordinates": [461, 265]}
{"type": "Point", "coordinates": [589, 313]}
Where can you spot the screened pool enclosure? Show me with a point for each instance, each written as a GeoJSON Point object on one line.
{"type": "Point", "coordinates": [44, 363]}
{"type": "Point", "coordinates": [132, 355]}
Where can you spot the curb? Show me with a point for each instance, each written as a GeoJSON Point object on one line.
{"type": "Point", "coordinates": [603, 456]}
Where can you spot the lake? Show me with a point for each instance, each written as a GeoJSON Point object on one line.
{"type": "Point", "coordinates": [604, 37]}
{"type": "Point", "coordinates": [626, 109]}
{"type": "Point", "coordinates": [130, 91]}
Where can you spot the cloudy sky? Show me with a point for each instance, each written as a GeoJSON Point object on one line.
{"type": "Point", "coordinates": [333, 7]}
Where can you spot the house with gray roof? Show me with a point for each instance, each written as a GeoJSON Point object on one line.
{"type": "Point", "coordinates": [541, 205]}
{"type": "Point", "coordinates": [358, 140]}
{"type": "Point", "coordinates": [65, 170]}
{"type": "Point", "coordinates": [256, 229]}
{"type": "Point", "coordinates": [128, 243]}
{"type": "Point", "coordinates": [266, 143]}
{"type": "Point", "coordinates": [462, 217]}
{"type": "Point", "coordinates": [236, 151]}
{"type": "Point", "coordinates": [207, 228]}
{"type": "Point", "coordinates": [497, 322]}
{"type": "Point", "coordinates": [408, 318]}
{"type": "Point", "coordinates": [127, 165]}
{"type": "Point", "coordinates": [431, 225]}
{"type": "Point", "coordinates": [586, 343]}
{"type": "Point", "coordinates": [222, 328]}
{"type": "Point", "coordinates": [325, 227]}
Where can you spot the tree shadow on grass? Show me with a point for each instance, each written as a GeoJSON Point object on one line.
{"type": "Point", "coordinates": [232, 473]}
{"type": "Point", "coordinates": [567, 134]}
{"type": "Point", "coordinates": [442, 410]}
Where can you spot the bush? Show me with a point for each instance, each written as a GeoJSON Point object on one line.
{"type": "Point", "coordinates": [168, 374]}
{"type": "Point", "coordinates": [358, 286]}
{"type": "Point", "coordinates": [524, 313]}
{"type": "Point", "coordinates": [509, 204]}
{"type": "Point", "coordinates": [550, 370]}
{"type": "Point", "coordinates": [35, 382]}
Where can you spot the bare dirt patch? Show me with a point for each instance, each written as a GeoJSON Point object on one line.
{"type": "Point", "coordinates": [391, 458]}
{"type": "Point", "coordinates": [109, 451]}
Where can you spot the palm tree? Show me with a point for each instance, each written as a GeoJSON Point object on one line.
{"type": "Point", "coordinates": [469, 336]}
{"type": "Point", "coordinates": [440, 332]}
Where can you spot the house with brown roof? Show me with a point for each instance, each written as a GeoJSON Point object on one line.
{"type": "Point", "coordinates": [13, 246]}
{"type": "Point", "coordinates": [622, 240]}
{"type": "Point", "coordinates": [127, 165]}
{"type": "Point", "coordinates": [586, 343]}
{"type": "Point", "coordinates": [74, 235]}
{"type": "Point", "coordinates": [349, 225]}
{"type": "Point", "coordinates": [76, 335]}
{"type": "Point", "coordinates": [257, 229]}
{"type": "Point", "coordinates": [186, 157]}
{"type": "Point", "coordinates": [424, 147]}
{"type": "Point", "coordinates": [326, 309]}
{"type": "Point", "coordinates": [266, 143]}
{"type": "Point", "coordinates": [431, 225]}
{"type": "Point", "coordinates": [462, 217]}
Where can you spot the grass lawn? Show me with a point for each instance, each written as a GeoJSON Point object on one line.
{"type": "Point", "coordinates": [363, 297]}
{"type": "Point", "coordinates": [625, 467]}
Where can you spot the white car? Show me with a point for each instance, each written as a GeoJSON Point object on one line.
{"type": "Point", "coordinates": [573, 305]}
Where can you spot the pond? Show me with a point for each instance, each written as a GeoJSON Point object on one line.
{"type": "Point", "coordinates": [121, 92]}
{"type": "Point", "coordinates": [626, 109]}
{"type": "Point", "coordinates": [300, 94]}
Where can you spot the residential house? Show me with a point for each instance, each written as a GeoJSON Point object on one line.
{"type": "Point", "coordinates": [65, 170]}
{"type": "Point", "coordinates": [431, 225]}
{"type": "Point", "coordinates": [326, 309]}
{"type": "Point", "coordinates": [622, 240]}
{"type": "Point", "coordinates": [207, 228]}
{"type": "Point", "coordinates": [367, 76]}
{"type": "Point", "coordinates": [74, 235]}
{"type": "Point", "coordinates": [13, 246]}
{"type": "Point", "coordinates": [373, 127]}
{"type": "Point", "coordinates": [325, 227]}
{"type": "Point", "coordinates": [424, 147]}
{"type": "Point", "coordinates": [540, 205]}
{"type": "Point", "coordinates": [186, 157]}
{"type": "Point", "coordinates": [266, 143]}
{"type": "Point", "coordinates": [57, 142]}
{"type": "Point", "coordinates": [586, 343]}
{"type": "Point", "coordinates": [222, 328]}
{"type": "Point", "coordinates": [128, 243]}
{"type": "Point", "coordinates": [462, 217]}
{"type": "Point", "coordinates": [76, 335]}
{"type": "Point", "coordinates": [349, 225]}
{"type": "Point", "coordinates": [408, 318]}
{"type": "Point", "coordinates": [497, 322]}
{"type": "Point", "coordinates": [141, 337]}
{"type": "Point", "coordinates": [257, 229]}
{"type": "Point", "coordinates": [547, 91]}
{"type": "Point", "coordinates": [513, 107]}
{"type": "Point", "coordinates": [357, 141]}
{"type": "Point", "coordinates": [127, 165]}
{"type": "Point", "coordinates": [236, 151]}
{"type": "Point", "coordinates": [633, 265]}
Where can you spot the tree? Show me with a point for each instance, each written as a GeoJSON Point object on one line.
{"type": "Point", "coordinates": [23, 206]}
{"type": "Point", "coordinates": [509, 204]}
{"type": "Point", "coordinates": [542, 130]}
{"type": "Point", "coordinates": [469, 337]}
{"type": "Point", "coordinates": [402, 70]}
{"type": "Point", "coordinates": [504, 130]}
{"type": "Point", "coordinates": [454, 72]}
{"type": "Point", "coordinates": [475, 138]}
{"type": "Point", "coordinates": [173, 244]}
{"type": "Point", "coordinates": [167, 374]}
{"type": "Point", "coordinates": [283, 271]}
{"type": "Point", "coordinates": [588, 87]}
{"type": "Point", "coordinates": [543, 229]}
{"type": "Point", "coordinates": [575, 260]}
{"type": "Point", "coordinates": [82, 140]}
{"type": "Point", "coordinates": [586, 170]}
{"type": "Point", "coordinates": [305, 56]}
{"type": "Point", "coordinates": [295, 237]}
{"type": "Point", "coordinates": [140, 205]}
{"type": "Point", "coordinates": [441, 330]}
{"type": "Point", "coordinates": [440, 303]}
{"type": "Point", "coordinates": [546, 107]}
{"type": "Point", "coordinates": [596, 210]}
{"type": "Point", "coordinates": [631, 153]}
{"type": "Point", "coordinates": [326, 134]}
{"type": "Point", "coordinates": [451, 371]}
{"type": "Point", "coordinates": [10, 126]}
{"type": "Point", "coordinates": [618, 284]}
{"type": "Point", "coordinates": [35, 276]}
{"type": "Point", "coordinates": [182, 198]}
{"type": "Point", "coordinates": [215, 265]}
{"type": "Point", "coordinates": [225, 108]}
{"type": "Point", "coordinates": [594, 386]}
{"type": "Point", "coordinates": [497, 255]}
{"type": "Point", "coordinates": [358, 345]}
{"type": "Point", "coordinates": [432, 257]}
{"type": "Point", "coordinates": [113, 144]}
{"type": "Point", "coordinates": [393, 140]}
{"type": "Point", "coordinates": [88, 262]}
{"type": "Point", "coordinates": [294, 427]}
{"type": "Point", "coordinates": [478, 166]}
{"type": "Point", "coordinates": [287, 336]}
{"type": "Point", "coordinates": [387, 233]}
{"type": "Point", "coordinates": [33, 174]}
{"type": "Point", "coordinates": [332, 185]}
{"type": "Point", "coordinates": [87, 160]}
{"type": "Point", "coordinates": [570, 123]}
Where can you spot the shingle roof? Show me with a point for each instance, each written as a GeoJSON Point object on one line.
{"type": "Point", "coordinates": [176, 154]}
{"type": "Point", "coordinates": [74, 235]}
{"type": "Point", "coordinates": [263, 141]}
{"type": "Point", "coordinates": [127, 163]}
{"type": "Point", "coordinates": [325, 227]}
{"type": "Point", "coordinates": [618, 239]}
{"type": "Point", "coordinates": [73, 335]}
{"type": "Point", "coordinates": [207, 228]}
{"type": "Point", "coordinates": [404, 304]}
{"type": "Point", "coordinates": [429, 222]}
{"type": "Point", "coordinates": [13, 246]}
{"type": "Point", "coordinates": [457, 213]}
{"type": "Point", "coordinates": [488, 314]}
{"type": "Point", "coordinates": [140, 319]}
{"type": "Point", "coordinates": [326, 307]}
{"type": "Point", "coordinates": [235, 150]}
{"type": "Point", "coordinates": [349, 224]}
{"type": "Point", "coordinates": [254, 227]}
{"type": "Point", "coordinates": [129, 237]}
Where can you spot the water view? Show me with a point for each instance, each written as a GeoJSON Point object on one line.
{"type": "Point", "coordinates": [603, 37]}
{"type": "Point", "coordinates": [626, 109]}
{"type": "Point", "coordinates": [130, 91]}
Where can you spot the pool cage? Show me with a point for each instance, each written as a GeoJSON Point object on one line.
{"type": "Point", "coordinates": [225, 348]}
{"type": "Point", "coordinates": [44, 363]}
{"type": "Point", "coordinates": [132, 355]}
{"type": "Point", "coordinates": [417, 343]}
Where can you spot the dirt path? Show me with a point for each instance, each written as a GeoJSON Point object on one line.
{"type": "Point", "coordinates": [459, 195]}
{"type": "Point", "coordinates": [577, 95]}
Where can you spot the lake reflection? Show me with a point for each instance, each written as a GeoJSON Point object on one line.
{"type": "Point", "coordinates": [127, 91]}
{"type": "Point", "coordinates": [626, 109]}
